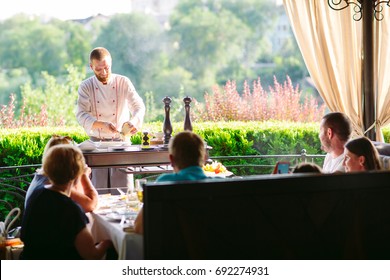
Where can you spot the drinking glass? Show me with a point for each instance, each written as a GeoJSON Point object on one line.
{"type": "Point", "coordinates": [132, 202]}
{"type": "Point", "coordinates": [139, 188]}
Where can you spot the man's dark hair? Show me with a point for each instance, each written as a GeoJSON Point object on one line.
{"type": "Point", "coordinates": [339, 123]}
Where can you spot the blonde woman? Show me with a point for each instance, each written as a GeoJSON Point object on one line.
{"type": "Point", "coordinates": [84, 193]}
{"type": "Point", "coordinates": [54, 226]}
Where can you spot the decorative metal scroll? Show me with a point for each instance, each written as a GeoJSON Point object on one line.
{"type": "Point", "coordinates": [377, 7]}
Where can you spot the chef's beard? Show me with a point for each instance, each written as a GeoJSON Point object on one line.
{"type": "Point", "coordinates": [105, 79]}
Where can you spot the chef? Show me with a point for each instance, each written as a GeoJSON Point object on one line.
{"type": "Point", "coordinates": [106, 103]}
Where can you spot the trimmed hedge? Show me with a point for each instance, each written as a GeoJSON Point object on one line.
{"type": "Point", "coordinates": [25, 146]}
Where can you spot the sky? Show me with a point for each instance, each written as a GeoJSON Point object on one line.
{"type": "Point", "coordinates": [64, 9]}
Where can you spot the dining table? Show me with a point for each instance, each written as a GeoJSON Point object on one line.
{"type": "Point", "coordinates": [112, 221]}
{"type": "Point", "coordinates": [136, 158]}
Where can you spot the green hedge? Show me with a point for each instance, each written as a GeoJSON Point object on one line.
{"type": "Point", "coordinates": [25, 146]}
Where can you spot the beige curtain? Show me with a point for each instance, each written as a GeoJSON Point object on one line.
{"type": "Point", "coordinates": [382, 70]}
{"type": "Point", "coordinates": [331, 43]}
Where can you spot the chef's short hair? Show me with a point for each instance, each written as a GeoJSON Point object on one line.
{"type": "Point", "coordinates": [98, 54]}
{"type": "Point", "coordinates": [188, 149]}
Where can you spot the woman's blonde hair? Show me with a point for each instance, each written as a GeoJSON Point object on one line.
{"type": "Point", "coordinates": [56, 140]}
{"type": "Point", "coordinates": [63, 163]}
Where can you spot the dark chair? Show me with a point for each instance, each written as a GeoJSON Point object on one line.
{"type": "Point", "coordinates": [294, 216]}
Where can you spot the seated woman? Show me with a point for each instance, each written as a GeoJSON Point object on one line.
{"type": "Point", "coordinates": [53, 225]}
{"type": "Point", "coordinates": [84, 193]}
{"type": "Point", "coordinates": [360, 154]}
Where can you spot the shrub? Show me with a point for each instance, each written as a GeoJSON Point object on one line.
{"type": "Point", "coordinates": [282, 103]}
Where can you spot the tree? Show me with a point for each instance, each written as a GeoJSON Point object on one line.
{"type": "Point", "coordinates": [59, 98]}
{"type": "Point", "coordinates": [135, 42]}
{"type": "Point", "coordinates": [221, 40]}
{"type": "Point", "coordinates": [207, 41]}
{"type": "Point", "coordinates": [28, 43]}
{"type": "Point", "coordinates": [78, 42]}
{"type": "Point", "coordinates": [290, 62]}
{"type": "Point", "coordinates": [260, 16]}
{"type": "Point", "coordinates": [30, 46]}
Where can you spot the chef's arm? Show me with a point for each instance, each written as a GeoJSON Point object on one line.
{"type": "Point", "coordinates": [107, 127]}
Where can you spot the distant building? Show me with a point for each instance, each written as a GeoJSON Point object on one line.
{"type": "Point", "coordinates": [281, 33]}
{"type": "Point", "coordinates": [88, 22]}
{"type": "Point", "coordinates": [160, 9]}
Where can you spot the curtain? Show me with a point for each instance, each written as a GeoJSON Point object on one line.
{"type": "Point", "coordinates": [382, 70]}
{"type": "Point", "coordinates": [331, 43]}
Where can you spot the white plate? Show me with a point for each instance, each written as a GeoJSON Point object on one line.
{"type": "Point", "coordinates": [117, 148]}
{"type": "Point", "coordinates": [103, 211]}
{"type": "Point", "coordinates": [114, 216]}
{"type": "Point", "coordinates": [88, 150]}
{"type": "Point", "coordinates": [87, 146]}
{"type": "Point", "coordinates": [106, 144]}
{"type": "Point", "coordinates": [222, 174]}
{"type": "Point", "coordinates": [148, 148]}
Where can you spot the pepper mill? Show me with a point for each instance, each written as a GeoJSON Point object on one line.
{"type": "Point", "coordinates": [146, 138]}
{"type": "Point", "coordinates": [187, 120]}
{"type": "Point", "coordinates": [167, 126]}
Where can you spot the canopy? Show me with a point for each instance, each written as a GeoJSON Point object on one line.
{"type": "Point", "coordinates": [345, 48]}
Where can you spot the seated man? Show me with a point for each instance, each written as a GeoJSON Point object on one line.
{"type": "Point", "coordinates": [335, 131]}
{"type": "Point", "coordinates": [187, 155]}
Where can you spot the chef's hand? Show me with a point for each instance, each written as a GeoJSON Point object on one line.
{"type": "Point", "coordinates": [106, 127]}
{"type": "Point", "coordinates": [128, 128]}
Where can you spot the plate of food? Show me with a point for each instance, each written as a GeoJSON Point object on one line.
{"type": "Point", "coordinates": [216, 169]}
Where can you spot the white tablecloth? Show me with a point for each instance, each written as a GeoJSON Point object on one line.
{"type": "Point", "coordinates": [129, 245]}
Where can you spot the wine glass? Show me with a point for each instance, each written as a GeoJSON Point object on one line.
{"type": "Point", "coordinates": [139, 188]}
{"type": "Point", "coordinates": [132, 201]}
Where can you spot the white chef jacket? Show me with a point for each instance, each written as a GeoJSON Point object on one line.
{"type": "Point", "coordinates": [112, 102]}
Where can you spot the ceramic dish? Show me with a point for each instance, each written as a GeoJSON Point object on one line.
{"type": "Point", "coordinates": [147, 148]}
{"type": "Point", "coordinates": [222, 174]}
{"type": "Point", "coordinates": [117, 148]}
{"type": "Point", "coordinates": [107, 144]}
{"type": "Point", "coordinates": [114, 216]}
